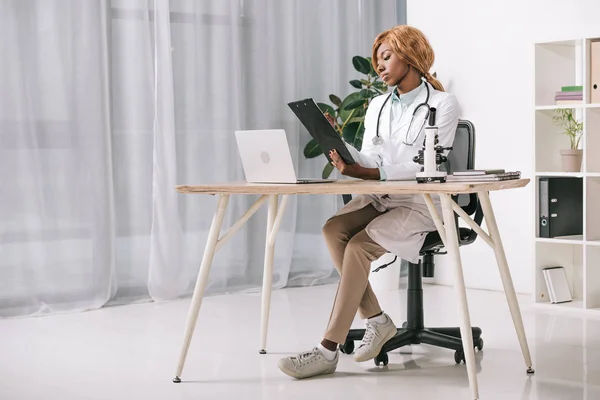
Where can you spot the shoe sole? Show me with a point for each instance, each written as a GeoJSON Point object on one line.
{"type": "Point", "coordinates": [367, 356]}
{"type": "Point", "coordinates": [297, 375]}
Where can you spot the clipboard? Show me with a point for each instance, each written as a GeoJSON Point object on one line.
{"type": "Point", "coordinates": [320, 129]}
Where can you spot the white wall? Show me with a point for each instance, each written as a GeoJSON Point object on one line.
{"type": "Point", "coordinates": [484, 55]}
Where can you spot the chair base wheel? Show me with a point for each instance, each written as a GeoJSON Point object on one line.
{"type": "Point", "coordinates": [263, 351]}
{"type": "Point", "coordinates": [530, 371]}
{"type": "Point", "coordinates": [459, 357]}
{"type": "Point", "coordinates": [347, 347]}
{"type": "Point", "coordinates": [177, 380]}
{"type": "Point", "coordinates": [381, 359]}
{"type": "Point", "coordinates": [479, 344]}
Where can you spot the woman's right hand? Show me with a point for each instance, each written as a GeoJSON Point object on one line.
{"type": "Point", "coordinates": [330, 119]}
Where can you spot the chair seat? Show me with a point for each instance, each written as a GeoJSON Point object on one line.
{"type": "Point", "coordinates": [433, 241]}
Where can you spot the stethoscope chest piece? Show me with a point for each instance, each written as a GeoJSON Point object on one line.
{"type": "Point", "coordinates": [377, 141]}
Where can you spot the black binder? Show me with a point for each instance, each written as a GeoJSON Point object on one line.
{"type": "Point", "coordinates": [320, 129]}
{"type": "Point", "coordinates": [560, 206]}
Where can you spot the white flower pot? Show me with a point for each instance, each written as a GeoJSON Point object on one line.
{"type": "Point", "coordinates": [571, 160]}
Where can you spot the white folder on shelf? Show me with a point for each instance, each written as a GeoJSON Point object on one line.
{"type": "Point", "coordinates": [557, 284]}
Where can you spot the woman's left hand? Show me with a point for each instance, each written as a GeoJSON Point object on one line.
{"type": "Point", "coordinates": [352, 170]}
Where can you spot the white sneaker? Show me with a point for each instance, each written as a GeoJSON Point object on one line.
{"type": "Point", "coordinates": [375, 337]}
{"type": "Point", "coordinates": [308, 364]}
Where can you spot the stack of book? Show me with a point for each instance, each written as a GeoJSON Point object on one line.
{"type": "Point", "coordinates": [569, 95]}
{"type": "Point", "coordinates": [482, 175]}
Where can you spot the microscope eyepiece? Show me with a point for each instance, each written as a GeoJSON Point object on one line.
{"type": "Point", "coordinates": [432, 111]}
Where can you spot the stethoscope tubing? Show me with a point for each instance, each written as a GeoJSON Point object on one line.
{"type": "Point", "coordinates": [377, 140]}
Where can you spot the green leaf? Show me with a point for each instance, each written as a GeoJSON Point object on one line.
{"type": "Point", "coordinates": [345, 114]}
{"type": "Point", "coordinates": [335, 100]}
{"type": "Point", "coordinates": [356, 83]}
{"type": "Point", "coordinates": [380, 85]}
{"type": "Point", "coordinates": [372, 72]}
{"type": "Point", "coordinates": [349, 133]}
{"type": "Point", "coordinates": [365, 93]}
{"type": "Point", "coordinates": [361, 64]}
{"type": "Point", "coordinates": [326, 108]}
{"type": "Point", "coordinates": [355, 104]}
{"type": "Point", "coordinates": [327, 170]}
{"type": "Point", "coordinates": [572, 127]}
{"type": "Point", "coordinates": [353, 134]}
{"type": "Point", "coordinates": [360, 112]}
{"type": "Point", "coordinates": [359, 137]}
{"type": "Point", "coordinates": [357, 119]}
{"type": "Point", "coordinates": [312, 149]}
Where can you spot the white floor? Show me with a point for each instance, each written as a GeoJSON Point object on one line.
{"type": "Point", "coordinates": [130, 352]}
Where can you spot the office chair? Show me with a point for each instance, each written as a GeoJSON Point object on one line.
{"type": "Point", "coordinates": [413, 331]}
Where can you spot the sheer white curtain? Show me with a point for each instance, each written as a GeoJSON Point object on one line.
{"type": "Point", "coordinates": [106, 105]}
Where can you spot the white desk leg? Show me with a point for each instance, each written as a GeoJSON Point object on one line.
{"type": "Point", "coordinates": [509, 289]}
{"type": "Point", "coordinates": [267, 274]}
{"type": "Point", "coordinates": [461, 293]}
{"type": "Point", "coordinates": [209, 252]}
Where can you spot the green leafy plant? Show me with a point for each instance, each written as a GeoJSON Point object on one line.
{"type": "Point", "coordinates": [348, 115]}
{"type": "Point", "coordinates": [573, 128]}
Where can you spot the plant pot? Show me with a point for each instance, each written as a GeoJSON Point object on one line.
{"type": "Point", "coordinates": [571, 160]}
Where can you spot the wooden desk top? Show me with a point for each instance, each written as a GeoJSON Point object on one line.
{"type": "Point", "coordinates": [353, 187]}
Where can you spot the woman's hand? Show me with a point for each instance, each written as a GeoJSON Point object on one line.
{"type": "Point", "coordinates": [329, 118]}
{"type": "Point", "coordinates": [353, 170]}
{"type": "Point", "coordinates": [332, 122]}
{"type": "Point", "coordinates": [341, 166]}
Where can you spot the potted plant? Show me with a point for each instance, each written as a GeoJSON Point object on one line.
{"type": "Point", "coordinates": [573, 128]}
{"type": "Point", "coordinates": [348, 115]}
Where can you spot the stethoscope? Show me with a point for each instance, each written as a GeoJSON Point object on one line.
{"type": "Point", "coordinates": [378, 140]}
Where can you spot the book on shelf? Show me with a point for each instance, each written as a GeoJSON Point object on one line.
{"type": "Point", "coordinates": [566, 102]}
{"type": "Point", "coordinates": [569, 95]}
{"type": "Point", "coordinates": [557, 285]}
{"type": "Point", "coordinates": [484, 177]}
{"type": "Point", "coordinates": [571, 89]}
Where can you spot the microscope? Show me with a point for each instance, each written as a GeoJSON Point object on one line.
{"type": "Point", "coordinates": [431, 155]}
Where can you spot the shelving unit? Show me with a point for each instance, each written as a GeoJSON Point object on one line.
{"type": "Point", "coordinates": [557, 64]}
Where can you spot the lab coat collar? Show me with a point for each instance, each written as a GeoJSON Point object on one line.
{"type": "Point", "coordinates": [408, 114]}
{"type": "Point", "coordinates": [408, 98]}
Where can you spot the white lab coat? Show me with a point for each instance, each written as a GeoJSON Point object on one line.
{"type": "Point", "coordinates": [403, 227]}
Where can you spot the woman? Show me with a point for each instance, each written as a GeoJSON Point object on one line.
{"type": "Point", "coordinates": [371, 225]}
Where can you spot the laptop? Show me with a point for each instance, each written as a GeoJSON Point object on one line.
{"type": "Point", "coordinates": [266, 157]}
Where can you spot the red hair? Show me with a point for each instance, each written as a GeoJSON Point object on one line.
{"type": "Point", "coordinates": [412, 47]}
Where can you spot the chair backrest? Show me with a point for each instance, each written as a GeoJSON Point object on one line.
{"type": "Point", "coordinates": [462, 157]}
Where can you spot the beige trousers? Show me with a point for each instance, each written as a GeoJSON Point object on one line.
{"type": "Point", "coordinates": [352, 252]}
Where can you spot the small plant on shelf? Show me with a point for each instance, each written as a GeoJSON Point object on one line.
{"type": "Point", "coordinates": [573, 128]}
